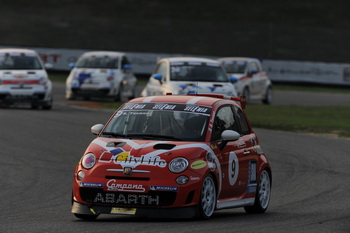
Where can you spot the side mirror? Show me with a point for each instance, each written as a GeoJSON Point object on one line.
{"type": "Point", "coordinates": [71, 65]}
{"type": "Point", "coordinates": [96, 129]}
{"type": "Point", "coordinates": [127, 67]}
{"type": "Point", "coordinates": [252, 72]}
{"type": "Point", "coordinates": [233, 79]}
{"type": "Point", "coordinates": [48, 66]}
{"type": "Point", "coordinates": [227, 136]}
{"type": "Point", "coordinates": [157, 76]}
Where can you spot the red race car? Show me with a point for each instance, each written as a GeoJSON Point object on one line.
{"type": "Point", "coordinates": [176, 156]}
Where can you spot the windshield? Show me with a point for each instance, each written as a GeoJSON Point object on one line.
{"type": "Point", "coordinates": [160, 121]}
{"type": "Point", "coordinates": [19, 61]}
{"type": "Point", "coordinates": [234, 67]}
{"type": "Point", "coordinates": [197, 71]}
{"type": "Point", "coordinates": [104, 62]}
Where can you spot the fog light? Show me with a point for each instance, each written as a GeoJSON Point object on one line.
{"type": "Point", "coordinates": [182, 180]}
{"type": "Point", "coordinates": [80, 175]}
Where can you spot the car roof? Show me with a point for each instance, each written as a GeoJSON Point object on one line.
{"type": "Point", "coordinates": [16, 50]}
{"type": "Point", "coordinates": [182, 99]}
{"type": "Point", "coordinates": [103, 53]}
{"type": "Point", "coordinates": [189, 59]}
{"type": "Point", "coordinates": [237, 59]}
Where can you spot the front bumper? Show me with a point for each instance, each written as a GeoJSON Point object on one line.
{"type": "Point", "coordinates": [37, 98]}
{"type": "Point", "coordinates": [179, 212]}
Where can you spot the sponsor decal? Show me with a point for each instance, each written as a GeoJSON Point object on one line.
{"type": "Point", "coordinates": [126, 211]}
{"type": "Point", "coordinates": [164, 106]}
{"type": "Point", "coordinates": [92, 211]}
{"type": "Point", "coordinates": [163, 188]}
{"type": "Point", "coordinates": [196, 109]}
{"type": "Point", "coordinates": [198, 164]}
{"type": "Point", "coordinates": [90, 185]}
{"type": "Point", "coordinates": [119, 156]}
{"type": "Point", "coordinates": [241, 144]}
{"type": "Point", "coordinates": [132, 106]}
{"type": "Point", "coordinates": [194, 178]}
{"type": "Point", "coordinates": [233, 168]}
{"type": "Point", "coordinates": [212, 166]}
{"type": "Point", "coordinates": [112, 185]}
{"type": "Point", "coordinates": [252, 179]}
{"type": "Point", "coordinates": [127, 171]}
{"type": "Point", "coordinates": [107, 157]}
{"type": "Point", "coordinates": [212, 89]}
{"type": "Point", "coordinates": [126, 199]}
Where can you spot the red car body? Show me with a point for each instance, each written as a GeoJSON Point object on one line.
{"type": "Point", "coordinates": [167, 174]}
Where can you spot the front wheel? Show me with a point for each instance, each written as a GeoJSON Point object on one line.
{"type": "Point", "coordinates": [207, 198]}
{"type": "Point", "coordinates": [268, 96]}
{"type": "Point", "coordinates": [246, 93]}
{"type": "Point", "coordinates": [262, 197]}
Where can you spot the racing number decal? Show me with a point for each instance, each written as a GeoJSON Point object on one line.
{"type": "Point", "coordinates": [233, 168]}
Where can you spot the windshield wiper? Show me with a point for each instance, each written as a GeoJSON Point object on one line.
{"type": "Point", "coordinates": [118, 135]}
{"type": "Point", "coordinates": [155, 136]}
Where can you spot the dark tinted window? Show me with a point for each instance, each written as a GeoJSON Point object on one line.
{"type": "Point", "coordinates": [242, 121]}
{"type": "Point", "coordinates": [224, 120]}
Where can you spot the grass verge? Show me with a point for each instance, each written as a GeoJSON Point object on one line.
{"type": "Point", "coordinates": [328, 120]}
{"type": "Point", "coordinates": [311, 88]}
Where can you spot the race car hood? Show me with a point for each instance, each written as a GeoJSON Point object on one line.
{"type": "Point", "coordinates": [133, 153]}
{"type": "Point", "coordinates": [85, 73]}
{"type": "Point", "coordinates": [237, 75]}
{"type": "Point", "coordinates": [225, 88]}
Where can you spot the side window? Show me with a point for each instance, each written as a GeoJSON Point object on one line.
{"type": "Point", "coordinates": [125, 61]}
{"type": "Point", "coordinates": [242, 121]}
{"type": "Point", "coordinates": [253, 67]}
{"type": "Point", "coordinates": [161, 69]}
{"type": "Point", "coordinates": [224, 120]}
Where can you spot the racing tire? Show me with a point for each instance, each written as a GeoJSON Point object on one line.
{"type": "Point", "coordinates": [48, 105]}
{"type": "Point", "coordinates": [207, 198]}
{"type": "Point", "coordinates": [246, 93]}
{"type": "Point", "coordinates": [262, 197]}
{"type": "Point", "coordinates": [86, 216]}
{"type": "Point", "coordinates": [268, 96]}
{"type": "Point", "coordinates": [118, 97]}
{"type": "Point", "coordinates": [34, 106]}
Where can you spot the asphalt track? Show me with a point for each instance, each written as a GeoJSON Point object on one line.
{"type": "Point", "coordinates": [39, 150]}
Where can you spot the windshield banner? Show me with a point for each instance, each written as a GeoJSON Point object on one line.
{"type": "Point", "coordinates": [168, 107]}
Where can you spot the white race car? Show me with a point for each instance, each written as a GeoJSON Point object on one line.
{"type": "Point", "coordinates": [188, 75]}
{"type": "Point", "coordinates": [252, 80]}
{"type": "Point", "coordinates": [23, 79]}
{"type": "Point", "coordinates": [101, 74]}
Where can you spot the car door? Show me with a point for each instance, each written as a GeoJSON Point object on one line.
{"type": "Point", "coordinates": [249, 144]}
{"type": "Point", "coordinates": [232, 158]}
{"type": "Point", "coordinates": [253, 70]}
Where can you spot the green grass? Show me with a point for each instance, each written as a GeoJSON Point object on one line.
{"type": "Point", "coordinates": [305, 119]}
{"type": "Point", "coordinates": [312, 88]}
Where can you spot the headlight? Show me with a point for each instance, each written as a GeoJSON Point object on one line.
{"type": "Point", "coordinates": [88, 161]}
{"type": "Point", "coordinates": [178, 165]}
{"type": "Point", "coordinates": [43, 80]}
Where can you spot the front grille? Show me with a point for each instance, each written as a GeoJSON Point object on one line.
{"type": "Point", "coordinates": [127, 178]}
{"type": "Point", "coordinates": [150, 199]}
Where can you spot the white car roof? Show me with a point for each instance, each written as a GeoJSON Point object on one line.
{"type": "Point", "coordinates": [15, 50]}
{"type": "Point", "coordinates": [103, 53]}
{"type": "Point", "coordinates": [188, 59]}
{"type": "Point", "coordinates": [238, 59]}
